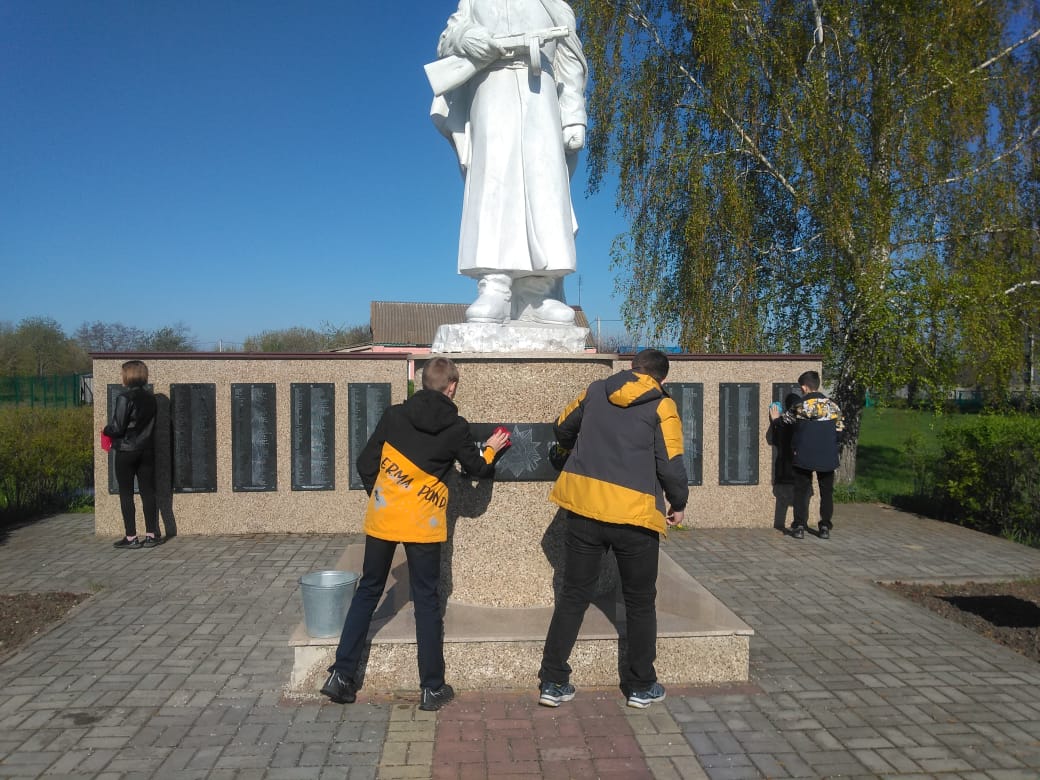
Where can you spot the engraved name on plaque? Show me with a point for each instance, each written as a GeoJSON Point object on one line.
{"type": "Point", "coordinates": [366, 402]}
{"type": "Point", "coordinates": [738, 433]}
{"type": "Point", "coordinates": [689, 400]}
{"type": "Point", "coordinates": [313, 408]}
{"type": "Point", "coordinates": [254, 455]}
{"type": "Point", "coordinates": [193, 417]}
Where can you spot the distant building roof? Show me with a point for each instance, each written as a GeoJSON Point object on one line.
{"type": "Point", "coordinates": [397, 324]}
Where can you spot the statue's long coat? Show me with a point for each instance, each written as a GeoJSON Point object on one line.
{"type": "Point", "coordinates": [507, 128]}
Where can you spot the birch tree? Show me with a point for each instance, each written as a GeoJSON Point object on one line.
{"type": "Point", "coordinates": [846, 177]}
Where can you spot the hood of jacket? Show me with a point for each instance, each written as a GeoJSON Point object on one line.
{"type": "Point", "coordinates": [430, 411]}
{"type": "Point", "coordinates": [627, 388]}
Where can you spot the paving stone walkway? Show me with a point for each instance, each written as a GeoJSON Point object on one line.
{"type": "Point", "coordinates": [176, 666]}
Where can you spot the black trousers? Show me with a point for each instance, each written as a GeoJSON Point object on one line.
{"type": "Point", "coordinates": [802, 491]}
{"type": "Point", "coordinates": [636, 550]}
{"type": "Point", "coordinates": [139, 464]}
{"type": "Point", "coordinates": [424, 574]}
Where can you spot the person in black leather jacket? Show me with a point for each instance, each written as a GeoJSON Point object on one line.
{"type": "Point", "coordinates": [132, 429]}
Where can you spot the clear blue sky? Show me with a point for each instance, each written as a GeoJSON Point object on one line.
{"type": "Point", "coordinates": [235, 165]}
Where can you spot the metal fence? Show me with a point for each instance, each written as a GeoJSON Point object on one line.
{"type": "Point", "coordinates": [48, 391]}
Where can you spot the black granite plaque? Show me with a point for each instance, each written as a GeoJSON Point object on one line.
{"type": "Point", "coordinates": [738, 434]}
{"type": "Point", "coordinates": [527, 460]}
{"type": "Point", "coordinates": [114, 392]}
{"type": "Point", "coordinates": [313, 409]}
{"type": "Point", "coordinates": [781, 390]}
{"type": "Point", "coordinates": [254, 451]}
{"type": "Point", "coordinates": [193, 418]}
{"type": "Point", "coordinates": [366, 402]}
{"type": "Point", "coordinates": [113, 486]}
{"type": "Point", "coordinates": [689, 400]}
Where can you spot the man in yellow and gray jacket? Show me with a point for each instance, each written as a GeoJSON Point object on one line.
{"type": "Point", "coordinates": [403, 467]}
{"type": "Point", "coordinates": [622, 485]}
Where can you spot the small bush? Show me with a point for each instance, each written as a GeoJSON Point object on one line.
{"type": "Point", "coordinates": [46, 455]}
{"type": "Point", "coordinates": [988, 476]}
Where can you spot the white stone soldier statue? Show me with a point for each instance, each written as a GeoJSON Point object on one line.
{"type": "Point", "coordinates": [513, 107]}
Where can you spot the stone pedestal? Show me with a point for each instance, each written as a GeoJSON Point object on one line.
{"type": "Point", "coordinates": [513, 336]}
{"type": "Point", "coordinates": [700, 641]}
{"type": "Point", "coordinates": [504, 561]}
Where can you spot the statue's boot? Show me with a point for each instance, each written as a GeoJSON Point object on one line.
{"type": "Point", "coordinates": [493, 300]}
{"type": "Point", "coordinates": [540, 299]}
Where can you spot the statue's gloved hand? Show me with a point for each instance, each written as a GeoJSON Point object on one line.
{"type": "Point", "coordinates": [573, 137]}
{"type": "Point", "coordinates": [478, 45]}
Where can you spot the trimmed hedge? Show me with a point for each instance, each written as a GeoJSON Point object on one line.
{"type": "Point", "coordinates": [987, 476]}
{"type": "Point", "coordinates": [46, 455]}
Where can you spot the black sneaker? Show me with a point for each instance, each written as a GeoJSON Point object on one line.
{"type": "Point", "coordinates": [339, 688]}
{"type": "Point", "coordinates": [129, 544]}
{"type": "Point", "coordinates": [432, 700]}
{"type": "Point", "coordinates": [643, 699]}
{"type": "Point", "coordinates": [152, 541]}
{"type": "Point", "coordinates": [825, 532]}
{"type": "Point", "coordinates": [798, 532]}
{"type": "Point", "coordinates": [552, 694]}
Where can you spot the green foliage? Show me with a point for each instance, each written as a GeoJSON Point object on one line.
{"type": "Point", "coordinates": [895, 447]}
{"type": "Point", "coordinates": [38, 346]}
{"type": "Point", "coordinates": [988, 475]}
{"type": "Point", "coordinates": [45, 456]}
{"type": "Point", "coordinates": [300, 339]}
{"type": "Point", "coordinates": [848, 177]}
{"type": "Point", "coordinates": [981, 471]}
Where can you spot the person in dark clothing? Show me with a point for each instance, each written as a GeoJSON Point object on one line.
{"type": "Point", "coordinates": [403, 467]}
{"type": "Point", "coordinates": [626, 459]}
{"type": "Point", "coordinates": [817, 422]}
{"type": "Point", "coordinates": [779, 436]}
{"type": "Point", "coordinates": [132, 430]}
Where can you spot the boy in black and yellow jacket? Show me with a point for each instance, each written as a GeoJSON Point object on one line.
{"type": "Point", "coordinates": [403, 467]}
{"type": "Point", "coordinates": [622, 486]}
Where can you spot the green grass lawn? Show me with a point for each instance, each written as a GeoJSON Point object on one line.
{"type": "Point", "coordinates": [883, 470]}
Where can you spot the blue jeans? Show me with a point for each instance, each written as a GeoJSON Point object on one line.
{"type": "Point", "coordinates": [424, 573]}
{"type": "Point", "coordinates": [636, 550]}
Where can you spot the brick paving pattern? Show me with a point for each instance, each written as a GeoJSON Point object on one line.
{"type": "Point", "coordinates": [176, 666]}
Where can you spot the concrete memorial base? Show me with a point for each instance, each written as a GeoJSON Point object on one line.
{"type": "Point", "coordinates": [700, 641]}
{"type": "Point", "coordinates": [514, 336]}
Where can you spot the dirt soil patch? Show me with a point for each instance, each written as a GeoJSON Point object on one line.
{"type": "Point", "coordinates": [26, 615]}
{"type": "Point", "coordinates": [1006, 612]}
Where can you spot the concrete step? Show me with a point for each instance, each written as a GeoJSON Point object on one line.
{"type": "Point", "coordinates": [700, 641]}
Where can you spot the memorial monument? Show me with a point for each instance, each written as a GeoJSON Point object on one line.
{"type": "Point", "coordinates": [509, 95]}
